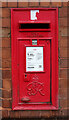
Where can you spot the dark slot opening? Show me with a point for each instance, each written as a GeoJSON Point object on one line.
{"type": "Point", "coordinates": [35, 26]}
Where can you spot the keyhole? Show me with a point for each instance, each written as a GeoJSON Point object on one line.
{"type": "Point", "coordinates": [25, 76]}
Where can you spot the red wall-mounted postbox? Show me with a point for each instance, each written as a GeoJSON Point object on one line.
{"type": "Point", "coordinates": [34, 33]}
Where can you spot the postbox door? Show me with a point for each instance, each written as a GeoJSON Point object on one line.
{"type": "Point", "coordinates": [34, 71]}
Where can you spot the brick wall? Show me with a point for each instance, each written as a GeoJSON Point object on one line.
{"type": "Point", "coordinates": [6, 60]}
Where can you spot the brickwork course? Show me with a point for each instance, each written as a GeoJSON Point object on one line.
{"type": "Point", "coordinates": [63, 58]}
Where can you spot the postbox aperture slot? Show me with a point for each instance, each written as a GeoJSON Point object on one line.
{"type": "Point", "coordinates": [34, 26]}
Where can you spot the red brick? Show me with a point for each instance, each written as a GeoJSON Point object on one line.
{"type": "Point", "coordinates": [6, 53]}
{"type": "Point", "coordinates": [6, 103]}
{"type": "Point", "coordinates": [0, 12]}
{"type": "Point", "coordinates": [17, 114]}
{"type": "Point", "coordinates": [63, 83]}
{"type": "Point", "coordinates": [64, 53]}
{"type": "Point", "coordinates": [60, 114]}
{"type": "Point", "coordinates": [0, 22]}
{"type": "Point", "coordinates": [6, 83]}
{"type": "Point", "coordinates": [68, 41]}
{"type": "Point", "coordinates": [6, 12]}
{"type": "Point", "coordinates": [65, 3]}
{"type": "Point", "coordinates": [6, 42]}
{"type": "Point", "coordinates": [22, 3]}
{"type": "Point", "coordinates": [63, 93]}
{"type": "Point", "coordinates": [0, 4]}
{"type": "Point", "coordinates": [64, 113]}
{"type": "Point", "coordinates": [0, 115]}
{"type": "Point", "coordinates": [6, 32]}
{"type": "Point", "coordinates": [68, 87]}
{"type": "Point", "coordinates": [0, 52]}
{"type": "Point", "coordinates": [6, 22]}
{"type": "Point", "coordinates": [27, 114]}
{"type": "Point", "coordinates": [63, 22]}
{"type": "Point", "coordinates": [4, 4]}
{"type": "Point", "coordinates": [63, 31]}
{"type": "Point", "coordinates": [64, 73]}
{"type": "Point", "coordinates": [0, 85]}
{"type": "Point", "coordinates": [11, 114]}
{"type": "Point", "coordinates": [6, 93]}
{"type": "Point", "coordinates": [36, 3]}
{"type": "Point", "coordinates": [0, 92]}
{"type": "Point", "coordinates": [56, 4]}
{"type": "Point", "coordinates": [12, 4]}
{"type": "Point", "coordinates": [45, 3]}
{"type": "Point", "coordinates": [0, 77]}
{"type": "Point", "coordinates": [0, 43]}
{"type": "Point", "coordinates": [63, 42]}
{"type": "Point", "coordinates": [63, 103]}
{"type": "Point", "coordinates": [5, 114]}
{"type": "Point", "coordinates": [64, 63]}
{"type": "Point", "coordinates": [35, 114]}
{"type": "Point", "coordinates": [68, 3]}
{"type": "Point", "coordinates": [0, 63]}
{"type": "Point", "coordinates": [6, 63]}
{"type": "Point", "coordinates": [6, 74]}
{"type": "Point", "coordinates": [46, 114]}
{"type": "Point", "coordinates": [1, 32]}
{"type": "Point", "coordinates": [63, 12]}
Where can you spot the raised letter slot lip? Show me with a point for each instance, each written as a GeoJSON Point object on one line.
{"type": "Point", "coordinates": [35, 26]}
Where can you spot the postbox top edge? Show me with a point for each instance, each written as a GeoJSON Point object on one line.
{"type": "Point", "coordinates": [19, 9]}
